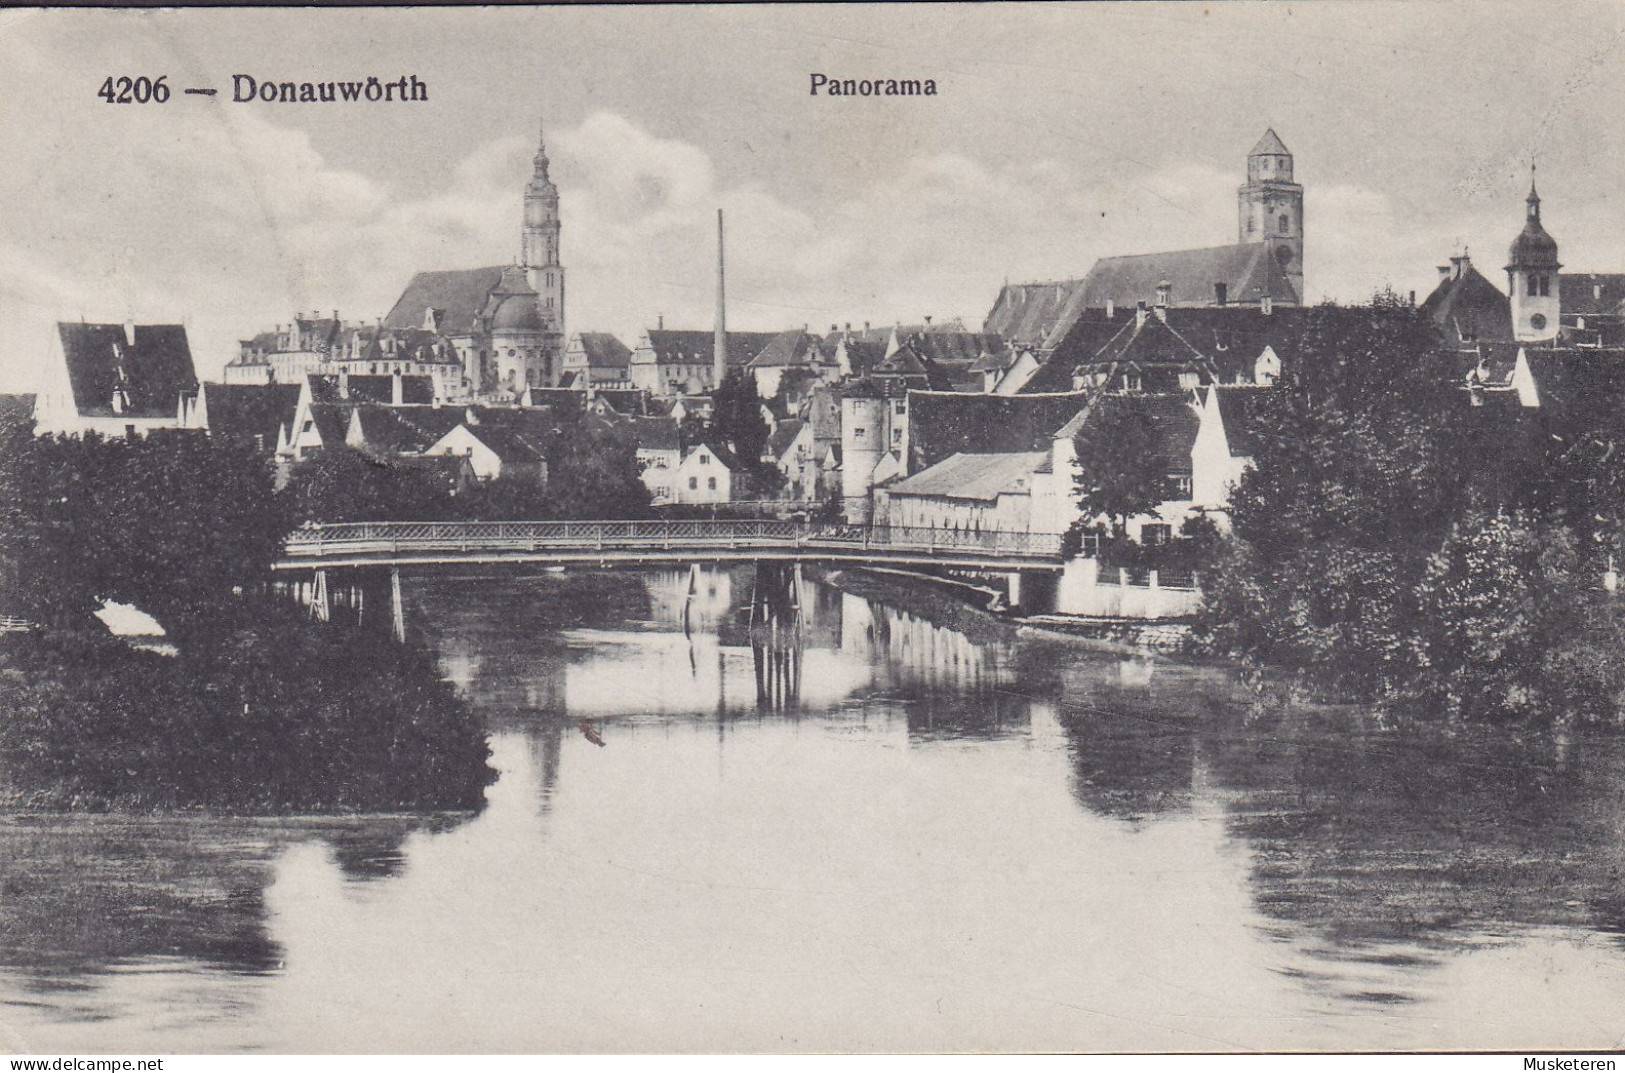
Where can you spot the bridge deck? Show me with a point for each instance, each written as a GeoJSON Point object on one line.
{"type": "Point", "coordinates": [442, 543]}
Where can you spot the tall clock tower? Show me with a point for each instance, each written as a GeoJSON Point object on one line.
{"type": "Point", "coordinates": [539, 246]}
{"type": "Point", "coordinates": [1271, 207]}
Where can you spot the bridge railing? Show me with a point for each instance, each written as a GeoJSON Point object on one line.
{"type": "Point", "coordinates": [317, 541]}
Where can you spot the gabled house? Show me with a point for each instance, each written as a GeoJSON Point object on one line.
{"type": "Point", "coordinates": [709, 475]}
{"type": "Point", "coordinates": [115, 379]}
{"type": "Point", "coordinates": [597, 359]}
{"type": "Point", "coordinates": [493, 452]}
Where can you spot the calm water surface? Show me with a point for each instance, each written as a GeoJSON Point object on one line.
{"type": "Point", "coordinates": [939, 839]}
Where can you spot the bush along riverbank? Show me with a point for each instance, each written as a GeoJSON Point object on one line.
{"type": "Point", "coordinates": [262, 712]}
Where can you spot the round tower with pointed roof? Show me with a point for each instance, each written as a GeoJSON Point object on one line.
{"type": "Point", "coordinates": [1532, 275]}
{"type": "Point", "coordinates": [1271, 207]}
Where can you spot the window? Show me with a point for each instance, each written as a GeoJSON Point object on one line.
{"type": "Point", "coordinates": [1153, 534]}
{"type": "Point", "coordinates": [859, 433]}
{"type": "Point", "coordinates": [1132, 382]}
{"type": "Point", "coordinates": [1179, 486]}
{"type": "Point", "coordinates": [1286, 225]}
{"type": "Point", "coordinates": [705, 460]}
{"type": "Point", "coordinates": [1545, 286]}
{"type": "Point", "coordinates": [1252, 225]}
{"type": "Point", "coordinates": [711, 483]}
{"type": "Point", "coordinates": [693, 483]}
{"type": "Point", "coordinates": [900, 407]}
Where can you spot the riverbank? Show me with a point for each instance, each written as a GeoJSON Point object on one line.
{"type": "Point", "coordinates": [950, 601]}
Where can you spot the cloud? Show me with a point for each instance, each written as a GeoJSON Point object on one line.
{"type": "Point", "coordinates": [235, 224]}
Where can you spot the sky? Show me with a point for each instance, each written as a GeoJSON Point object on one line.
{"type": "Point", "coordinates": [1060, 133]}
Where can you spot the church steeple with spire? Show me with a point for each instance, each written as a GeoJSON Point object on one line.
{"type": "Point", "coordinates": [1532, 274]}
{"type": "Point", "coordinates": [539, 245]}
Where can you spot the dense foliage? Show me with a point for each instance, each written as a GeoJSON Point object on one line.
{"type": "Point", "coordinates": [172, 524]}
{"type": "Point", "coordinates": [257, 708]}
{"type": "Point", "coordinates": [1394, 542]}
{"type": "Point", "coordinates": [736, 417]}
{"type": "Point", "coordinates": [272, 713]}
{"type": "Point", "coordinates": [1120, 468]}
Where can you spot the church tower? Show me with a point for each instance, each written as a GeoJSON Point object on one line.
{"type": "Point", "coordinates": [539, 246]}
{"type": "Point", "coordinates": [1532, 275]}
{"type": "Point", "coordinates": [1271, 207]}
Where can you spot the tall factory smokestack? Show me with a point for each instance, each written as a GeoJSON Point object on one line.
{"type": "Point", "coordinates": [719, 354]}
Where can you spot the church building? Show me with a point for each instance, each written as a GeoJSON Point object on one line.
{"type": "Point", "coordinates": [1264, 268]}
{"type": "Point", "coordinates": [506, 323]}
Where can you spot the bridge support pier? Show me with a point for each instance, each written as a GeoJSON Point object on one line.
{"type": "Point", "coordinates": [775, 634]}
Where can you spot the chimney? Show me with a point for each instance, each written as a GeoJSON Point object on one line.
{"type": "Point", "coordinates": [129, 333]}
{"type": "Point", "coordinates": [1111, 309]}
{"type": "Point", "coordinates": [1267, 305]}
{"type": "Point", "coordinates": [719, 351]}
{"type": "Point", "coordinates": [1139, 314]}
{"type": "Point", "coordinates": [660, 322]}
{"type": "Point", "coordinates": [928, 322]}
{"type": "Point", "coordinates": [1164, 288]}
{"type": "Point", "coordinates": [865, 325]}
{"type": "Point", "coordinates": [397, 390]}
{"type": "Point", "coordinates": [1413, 298]}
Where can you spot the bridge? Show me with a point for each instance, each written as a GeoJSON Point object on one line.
{"type": "Point", "coordinates": [603, 543]}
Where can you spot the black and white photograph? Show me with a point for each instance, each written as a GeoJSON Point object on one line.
{"type": "Point", "coordinates": [827, 529]}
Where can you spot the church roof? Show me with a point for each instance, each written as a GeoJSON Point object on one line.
{"type": "Point", "coordinates": [1270, 145]}
{"type": "Point", "coordinates": [153, 370]}
{"type": "Point", "coordinates": [460, 295]}
{"type": "Point", "coordinates": [512, 305]}
{"type": "Point", "coordinates": [1248, 270]}
{"type": "Point", "coordinates": [1025, 313]}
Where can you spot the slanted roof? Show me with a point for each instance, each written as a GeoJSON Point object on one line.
{"type": "Point", "coordinates": [406, 429]}
{"type": "Point", "coordinates": [460, 295]}
{"type": "Point", "coordinates": [245, 411]}
{"type": "Point", "coordinates": [1248, 270]}
{"type": "Point", "coordinates": [153, 372]}
{"type": "Point", "coordinates": [1270, 145]}
{"type": "Point", "coordinates": [1591, 293]}
{"type": "Point", "coordinates": [1025, 313]}
{"type": "Point", "coordinates": [1240, 409]}
{"type": "Point", "coordinates": [697, 348]}
{"type": "Point", "coordinates": [784, 435]}
{"type": "Point", "coordinates": [1174, 419]}
{"type": "Point", "coordinates": [787, 349]}
{"type": "Point", "coordinates": [332, 421]}
{"type": "Point", "coordinates": [653, 433]}
{"type": "Point", "coordinates": [604, 350]}
{"type": "Point", "coordinates": [512, 445]}
{"type": "Point", "coordinates": [982, 477]}
{"type": "Point", "coordinates": [1467, 306]}
{"type": "Point", "coordinates": [942, 424]}
{"type": "Point", "coordinates": [631, 402]}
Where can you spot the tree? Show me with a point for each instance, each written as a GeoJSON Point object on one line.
{"type": "Point", "coordinates": [1336, 522]}
{"type": "Point", "coordinates": [736, 418]}
{"type": "Point", "coordinates": [593, 473]}
{"type": "Point", "coordinates": [1121, 471]}
{"type": "Point", "coordinates": [343, 485]}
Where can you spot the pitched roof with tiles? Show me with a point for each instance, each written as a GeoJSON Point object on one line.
{"type": "Point", "coordinates": [673, 347]}
{"type": "Point", "coordinates": [460, 295]}
{"type": "Point", "coordinates": [783, 435]}
{"type": "Point", "coordinates": [787, 349]}
{"type": "Point", "coordinates": [1241, 410]}
{"type": "Point", "coordinates": [948, 423]}
{"type": "Point", "coordinates": [604, 350]}
{"type": "Point", "coordinates": [151, 374]}
{"type": "Point", "coordinates": [982, 477]}
{"type": "Point", "coordinates": [17, 407]}
{"type": "Point", "coordinates": [1025, 313]}
{"type": "Point", "coordinates": [1468, 306]}
{"type": "Point", "coordinates": [247, 411]}
{"type": "Point", "coordinates": [1591, 293]}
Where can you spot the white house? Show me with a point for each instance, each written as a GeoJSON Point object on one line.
{"type": "Point", "coordinates": [707, 475]}
{"type": "Point", "coordinates": [115, 379]}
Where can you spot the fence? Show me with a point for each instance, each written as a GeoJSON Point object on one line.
{"type": "Point", "coordinates": [364, 538]}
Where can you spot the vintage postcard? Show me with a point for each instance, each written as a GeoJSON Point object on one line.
{"type": "Point", "coordinates": [1083, 527]}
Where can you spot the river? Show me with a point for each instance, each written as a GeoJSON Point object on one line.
{"type": "Point", "coordinates": [941, 834]}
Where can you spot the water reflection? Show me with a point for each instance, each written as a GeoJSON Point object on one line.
{"type": "Point", "coordinates": [944, 836]}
